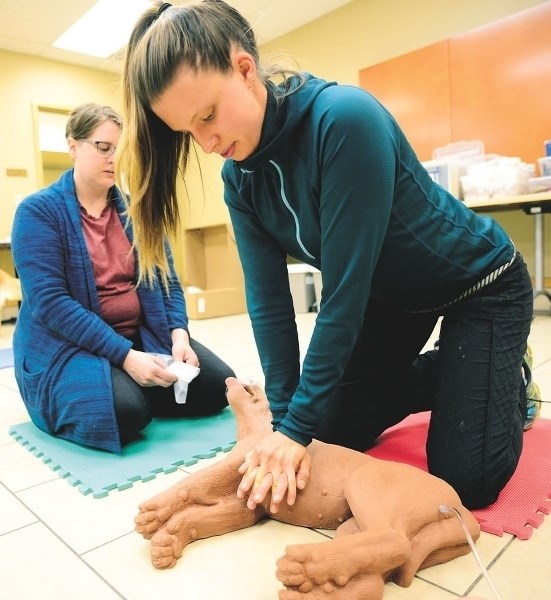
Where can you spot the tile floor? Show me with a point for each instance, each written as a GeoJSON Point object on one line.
{"type": "Point", "coordinates": [57, 543]}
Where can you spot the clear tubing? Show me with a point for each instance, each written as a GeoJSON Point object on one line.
{"type": "Point", "coordinates": [445, 509]}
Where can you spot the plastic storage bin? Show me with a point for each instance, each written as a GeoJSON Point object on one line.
{"type": "Point", "coordinates": [545, 166]}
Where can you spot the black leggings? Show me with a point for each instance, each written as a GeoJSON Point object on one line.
{"type": "Point", "coordinates": [135, 405]}
{"type": "Point", "coordinates": [472, 384]}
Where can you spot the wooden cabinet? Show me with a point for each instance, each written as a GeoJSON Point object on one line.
{"type": "Point", "coordinates": [415, 89]}
{"type": "Point", "coordinates": [491, 84]}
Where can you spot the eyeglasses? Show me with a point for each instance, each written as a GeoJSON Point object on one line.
{"type": "Point", "coordinates": [104, 148]}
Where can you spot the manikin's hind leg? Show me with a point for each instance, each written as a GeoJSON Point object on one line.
{"type": "Point", "coordinates": [205, 503]}
{"type": "Point", "coordinates": [397, 529]}
{"type": "Point", "coordinates": [413, 501]}
{"type": "Point", "coordinates": [350, 566]}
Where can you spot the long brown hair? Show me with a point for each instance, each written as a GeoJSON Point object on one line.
{"type": "Point", "coordinates": [165, 38]}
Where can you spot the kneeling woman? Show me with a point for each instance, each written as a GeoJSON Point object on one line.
{"type": "Point", "coordinates": [89, 331]}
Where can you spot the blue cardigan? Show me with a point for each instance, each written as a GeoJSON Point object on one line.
{"type": "Point", "coordinates": [62, 346]}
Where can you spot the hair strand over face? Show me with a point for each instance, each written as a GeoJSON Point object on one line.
{"type": "Point", "coordinates": [201, 37]}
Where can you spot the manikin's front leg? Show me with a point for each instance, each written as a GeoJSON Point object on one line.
{"type": "Point", "coordinates": [205, 503]}
{"type": "Point", "coordinates": [253, 419]}
{"type": "Point", "coordinates": [198, 522]}
{"type": "Point", "coordinates": [210, 507]}
{"type": "Point", "coordinates": [206, 487]}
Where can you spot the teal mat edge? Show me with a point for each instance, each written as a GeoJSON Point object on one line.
{"type": "Point", "coordinates": [97, 492]}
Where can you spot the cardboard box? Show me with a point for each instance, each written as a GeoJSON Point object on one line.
{"type": "Point", "coordinates": [214, 285]}
{"type": "Point", "coordinates": [215, 303]}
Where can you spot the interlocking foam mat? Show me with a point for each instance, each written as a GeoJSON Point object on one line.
{"type": "Point", "coordinates": [6, 358]}
{"type": "Point", "coordinates": [524, 501]}
{"type": "Point", "coordinates": [166, 445]}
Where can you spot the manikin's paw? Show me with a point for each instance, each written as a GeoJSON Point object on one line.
{"type": "Point", "coordinates": [147, 522]}
{"type": "Point", "coordinates": [165, 550]}
{"type": "Point", "coordinates": [155, 512]}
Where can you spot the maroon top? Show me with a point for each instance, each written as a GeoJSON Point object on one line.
{"type": "Point", "coordinates": [114, 269]}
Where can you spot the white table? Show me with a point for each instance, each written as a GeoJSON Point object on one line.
{"type": "Point", "coordinates": [532, 204]}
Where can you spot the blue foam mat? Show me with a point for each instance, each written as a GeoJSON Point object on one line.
{"type": "Point", "coordinates": [6, 358]}
{"type": "Point", "coordinates": [166, 445]}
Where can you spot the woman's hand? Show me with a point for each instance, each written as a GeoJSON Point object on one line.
{"type": "Point", "coordinates": [277, 463]}
{"type": "Point", "coordinates": [181, 348]}
{"type": "Point", "coordinates": [148, 370]}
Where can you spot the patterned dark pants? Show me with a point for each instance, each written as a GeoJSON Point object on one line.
{"type": "Point", "coordinates": [472, 383]}
{"type": "Point", "coordinates": [135, 405]}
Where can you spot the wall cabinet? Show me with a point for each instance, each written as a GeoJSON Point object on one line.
{"type": "Point", "coordinates": [491, 84]}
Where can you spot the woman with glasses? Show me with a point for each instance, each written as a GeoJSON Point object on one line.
{"type": "Point", "coordinates": [91, 335]}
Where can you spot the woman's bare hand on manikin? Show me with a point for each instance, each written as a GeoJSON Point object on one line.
{"type": "Point", "coordinates": [277, 464]}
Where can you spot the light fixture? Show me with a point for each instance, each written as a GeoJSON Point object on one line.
{"type": "Point", "coordinates": [103, 29]}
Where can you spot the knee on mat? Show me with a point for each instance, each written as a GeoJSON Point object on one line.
{"type": "Point", "coordinates": [473, 499]}
{"type": "Point", "coordinates": [133, 413]}
{"type": "Point", "coordinates": [131, 423]}
{"type": "Point", "coordinates": [475, 490]}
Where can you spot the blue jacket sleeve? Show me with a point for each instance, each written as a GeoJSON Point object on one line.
{"type": "Point", "coordinates": [270, 306]}
{"type": "Point", "coordinates": [49, 258]}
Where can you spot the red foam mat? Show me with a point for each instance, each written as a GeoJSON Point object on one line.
{"type": "Point", "coordinates": [524, 501]}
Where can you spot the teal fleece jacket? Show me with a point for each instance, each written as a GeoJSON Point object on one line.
{"type": "Point", "coordinates": [335, 184]}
